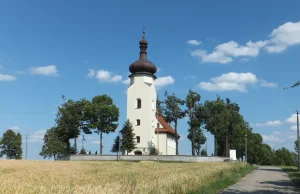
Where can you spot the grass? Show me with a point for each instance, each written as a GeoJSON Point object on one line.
{"type": "Point", "coordinates": [293, 173]}
{"type": "Point", "coordinates": [117, 177]}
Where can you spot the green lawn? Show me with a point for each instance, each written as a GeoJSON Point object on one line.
{"type": "Point", "coordinates": [293, 172]}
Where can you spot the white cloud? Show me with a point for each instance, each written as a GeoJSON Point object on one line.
{"type": "Point", "coordinates": [95, 142]}
{"type": "Point", "coordinates": [229, 82]}
{"type": "Point", "coordinates": [280, 39]}
{"type": "Point", "coordinates": [294, 128]}
{"type": "Point", "coordinates": [226, 52]}
{"type": "Point", "coordinates": [283, 37]}
{"type": "Point", "coordinates": [193, 42]}
{"type": "Point", "coordinates": [127, 81]}
{"type": "Point", "coordinates": [279, 138]}
{"type": "Point", "coordinates": [15, 128]}
{"type": "Point", "coordinates": [270, 123]}
{"type": "Point", "coordinates": [267, 84]}
{"type": "Point", "coordinates": [91, 73]}
{"type": "Point", "coordinates": [7, 77]}
{"type": "Point", "coordinates": [292, 119]}
{"type": "Point", "coordinates": [273, 137]}
{"type": "Point", "coordinates": [44, 70]}
{"type": "Point", "coordinates": [38, 136]}
{"type": "Point", "coordinates": [164, 81]}
{"type": "Point", "coordinates": [108, 77]}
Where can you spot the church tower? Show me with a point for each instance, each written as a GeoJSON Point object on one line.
{"type": "Point", "coordinates": [141, 100]}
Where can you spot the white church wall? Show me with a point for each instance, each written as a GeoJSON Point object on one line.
{"type": "Point", "coordinates": [143, 88]}
{"type": "Point", "coordinates": [171, 146]}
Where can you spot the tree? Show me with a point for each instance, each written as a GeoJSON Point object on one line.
{"type": "Point", "coordinates": [199, 139]}
{"type": "Point", "coordinates": [172, 112]}
{"type": "Point", "coordinates": [71, 118]}
{"type": "Point", "coordinates": [152, 149]}
{"type": "Point", "coordinates": [54, 145]}
{"type": "Point", "coordinates": [103, 115]}
{"type": "Point", "coordinates": [296, 146]}
{"type": "Point", "coordinates": [115, 147]}
{"type": "Point", "coordinates": [128, 137]}
{"type": "Point", "coordinates": [11, 145]}
{"type": "Point", "coordinates": [82, 151]}
{"type": "Point", "coordinates": [284, 157]}
{"type": "Point", "coordinates": [192, 104]}
{"type": "Point", "coordinates": [296, 84]}
{"type": "Point", "coordinates": [203, 152]}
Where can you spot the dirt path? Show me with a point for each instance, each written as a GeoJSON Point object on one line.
{"type": "Point", "coordinates": [265, 180]}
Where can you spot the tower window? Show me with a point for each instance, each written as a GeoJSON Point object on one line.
{"type": "Point", "coordinates": [138, 122]}
{"type": "Point", "coordinates": [138, 103]}
{"type": "Point", "coordinates": [138, 139]}
{"type": "Point", "coordinates": [157, 125]}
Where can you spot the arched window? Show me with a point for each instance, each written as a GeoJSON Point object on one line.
{"type": "Point", "coordinates": [138, 103]}
{"type": "Point", "coordinates": [138, 122]}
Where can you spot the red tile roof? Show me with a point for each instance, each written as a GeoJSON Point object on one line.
{"type": "Point", "coordinates": [167, 127]}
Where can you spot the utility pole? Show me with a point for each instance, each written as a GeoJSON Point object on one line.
{"type": "Point", "coordinates": [206, 145]}
{"type": "Point", "coordinates": [26, 145]}
{"type": "Point", "coordinates": [157, 128]}
{"type": "Point", "coordinates": [298, 140]}
{"type": "Point", "coordinates": [246, 150]}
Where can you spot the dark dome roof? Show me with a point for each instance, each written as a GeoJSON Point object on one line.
{"type": "Point", "coordinates": [143, 65]}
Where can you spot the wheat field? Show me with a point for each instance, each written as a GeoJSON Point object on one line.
{"type": "Point", "coordinates": [107, 177]}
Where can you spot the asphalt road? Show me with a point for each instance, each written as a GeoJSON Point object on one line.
{"type": "Point", "coordinates": [265, 179]}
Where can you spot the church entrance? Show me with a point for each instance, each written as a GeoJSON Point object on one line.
{"type": "Point", "coordinates": [138, 152]}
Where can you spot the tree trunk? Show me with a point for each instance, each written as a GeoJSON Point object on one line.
{"type": "Point", "coordinates": [193, 135]}
{"type": "Point", "coordinates": [101, 142]}
{"type": "Point", "coordinates": [176, 137]}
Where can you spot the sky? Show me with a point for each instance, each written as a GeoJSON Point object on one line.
{"type": "Point", "coordinates": [247, 51]}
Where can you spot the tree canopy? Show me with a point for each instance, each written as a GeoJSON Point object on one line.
{"type": "Point", "coordinates": [128, 137]}
{"type": "Point", "coordinates": [11, 145]}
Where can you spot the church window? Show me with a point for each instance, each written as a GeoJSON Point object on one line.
{"type": "Point", "coordinates": [138, 122]}
{"type": "Point", "coordinates": [157, 125]}
{"type": "Point", "coordinates": [138, 139]}
{"type": "Point", "coordinates": [138, 103]}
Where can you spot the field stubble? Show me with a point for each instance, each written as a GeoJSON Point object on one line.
{"type": "Point", "coordinates": [108, 177]}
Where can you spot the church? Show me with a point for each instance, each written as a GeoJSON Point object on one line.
{"type": "Point", "coordinates": [149, 125]}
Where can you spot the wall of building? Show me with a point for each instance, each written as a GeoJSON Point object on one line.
{"type": "Point", "coordinates": [179, 158]}
{"type": "Point", "coordinates": [171, 145]}
{"type": "Point", "coordinates": [142, 87]}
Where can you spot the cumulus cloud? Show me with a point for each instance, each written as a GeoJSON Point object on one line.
{"type": "Point", "coordinates": [279, 40]}
{"type": "Point", "coordinates": [226, 52]}
{"type": "Point", "coordinates": [270, 123]}
{"type": "Point", "coordinates": [127, 81]}
{"type": "Point", "coordinates": [279, 137]}
{"type": "Point", "coordinates": [44, 70]}
{"type": "Point", "coordinates": [15, 128]}
{"type": "Point", "coordinates": [95, 142]}
{"type": "Point", "coordinates": [292, 119]}
{"type": "Point", "coordinates": [38, 136]}
{"type": "Point", "coordinates": [164, 81]}
{"type": "Point", "coordinates": [91, 73]}
{"type": "Point", "coordinates": [267, 84]}
{"type": "Point", "coordinates": [294, 128]}
{"type": "Point", "coordinates": [283, 37]}
{"type": "Point", "coordinates": [229, 82]}
{"type": "Point", "coordinates": [104, 76]}
{"type": "Point", "coordinates": [7, 78]}
{"type": "Point", "coordinates": [193, 42]}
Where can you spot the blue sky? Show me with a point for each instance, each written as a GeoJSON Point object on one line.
{"type": "Point", "coordinates": [246, 51]}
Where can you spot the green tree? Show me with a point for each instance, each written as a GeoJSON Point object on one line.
{"type": "Point", "coordinates": [11, 145]}
{"type": "Point", "coordinates": [199, 139]}
{"type": "Point", "coordinates": [128, 137]}
{"type": "Point", "coordinates": [192, 104]}
{"type": "Point", "coordinates": [71, 118]}
{"type": "Point", "coordinates": [296, 84]}
{"type": "Point", "coordinates": [172, 112]}
{"type": "Point", "coordinates": [284, 157]}
{"type": "Point", "coordinates": [82, 151]}
{"type": "Point", "coordinates": [54, 146]}
{"type": "Point", "coordinates": [115, 147]}
{"type": "Point", "coordinates": [103, 115]}
{"type": "Point", "coordinates": [296, 146]}
{"type": "Point", "coordinates": [203, 152]}
{"type": "Point", "coordinates": [152, 149]}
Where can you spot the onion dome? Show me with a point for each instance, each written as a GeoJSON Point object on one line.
{"type": "Point", "coordinates": [143, 65]}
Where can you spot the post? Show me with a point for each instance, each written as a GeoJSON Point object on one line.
{"type": "Point", "coordinates": [246, 150]}
{"type": "Point", "coordinates": [119, 155]}
{"type": "Point", "coordinates": [206, 145]}
{"type": "Point", "coordinates": [298, 141]}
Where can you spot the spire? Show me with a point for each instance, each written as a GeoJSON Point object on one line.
{"type": "Point", "coordinates": [143, 46]}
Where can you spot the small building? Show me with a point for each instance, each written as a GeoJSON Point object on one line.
{"type": "Point", "coordinates": [149, 127]}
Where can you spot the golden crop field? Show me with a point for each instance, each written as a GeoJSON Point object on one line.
{"type": "Point", "coordinates": [107, 177]}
